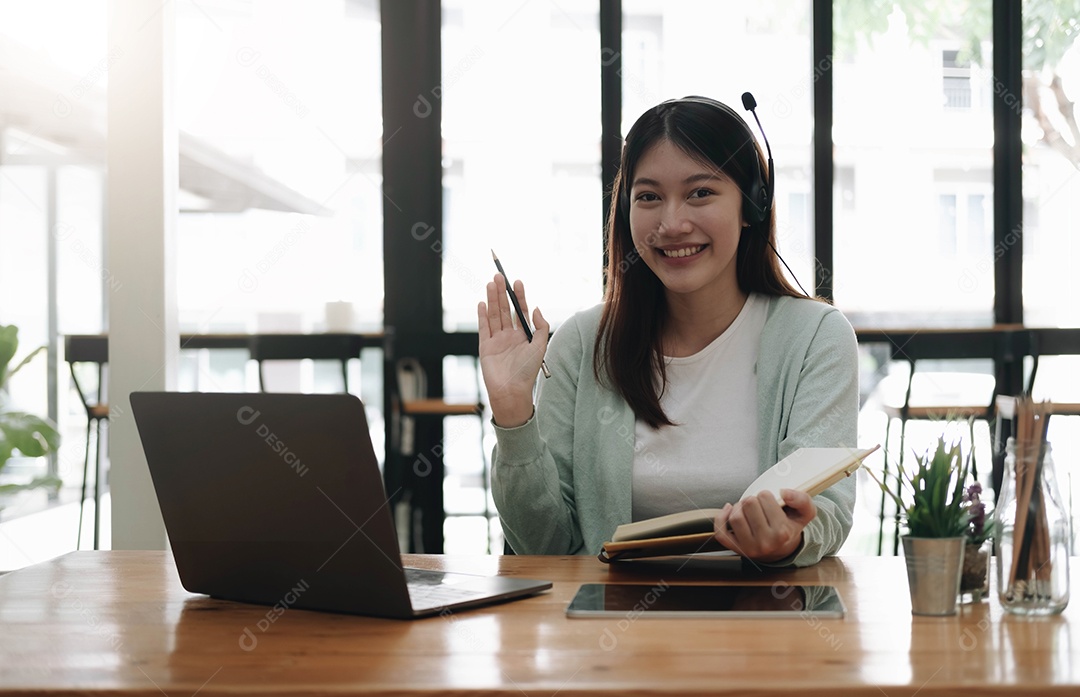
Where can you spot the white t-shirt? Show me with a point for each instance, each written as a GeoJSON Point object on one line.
{"type": "Point", "coordinates": [710, 455]}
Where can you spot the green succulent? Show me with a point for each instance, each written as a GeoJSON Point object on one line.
{"type": "Point", "coordinates": [930, 496]}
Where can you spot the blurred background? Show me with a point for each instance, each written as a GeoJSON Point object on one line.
{"type": "Point", "coordinates": [281, 226]}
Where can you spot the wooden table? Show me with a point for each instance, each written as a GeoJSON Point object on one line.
{"type": "Point", "coordinates": [98, 343]}
{"type": "Point", "coordinates": [119, 623]}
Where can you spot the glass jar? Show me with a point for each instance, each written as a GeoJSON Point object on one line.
{"type": "Point", "coordinates": [1032, 540]}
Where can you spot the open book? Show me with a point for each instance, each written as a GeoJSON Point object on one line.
{"type": "Point", "coordinates": [812, 470]}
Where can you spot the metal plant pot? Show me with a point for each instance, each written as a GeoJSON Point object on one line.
{"type": "Point", "coordinates": [933, 568]}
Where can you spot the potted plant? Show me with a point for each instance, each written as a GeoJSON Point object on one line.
{"type": "Point", "coordinates": [21, 433]}
{"type": "Point", "coordinates": [975, 576]}
{"type": "Point", "coordinates": [930, 498]}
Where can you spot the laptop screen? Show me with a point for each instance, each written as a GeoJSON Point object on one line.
{"type": "Point", "coordinates": [265, 493]}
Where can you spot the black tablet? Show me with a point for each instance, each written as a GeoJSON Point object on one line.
{"type": "Point", "coordinates": [673, 600]}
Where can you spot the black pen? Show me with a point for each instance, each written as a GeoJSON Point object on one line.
{"type": "Point", "coordinates": [517, 308]}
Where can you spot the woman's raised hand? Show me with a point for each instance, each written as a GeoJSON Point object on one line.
{"type": "Point", "coordinates": [508, 360]}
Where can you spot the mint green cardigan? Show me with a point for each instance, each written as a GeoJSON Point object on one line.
{"type": "Point", "coordinates": [562, 481]}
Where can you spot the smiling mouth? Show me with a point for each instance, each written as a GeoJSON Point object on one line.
{"type": "Point", "coordinates": [680, 253]}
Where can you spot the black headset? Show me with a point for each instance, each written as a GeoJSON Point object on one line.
{"type": "Point", "coordinates": [759, 195]}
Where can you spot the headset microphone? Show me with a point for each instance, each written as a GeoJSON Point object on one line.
{"type": "Point", "coordinates": [750, 104]}
{"type": "Point", "coordinates": [766, 196]}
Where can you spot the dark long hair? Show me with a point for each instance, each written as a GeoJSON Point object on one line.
{"type": "Point", "coordinates": [629, 349]}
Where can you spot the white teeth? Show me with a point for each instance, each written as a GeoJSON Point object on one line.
{"type": "Point", "coordinates": [685, 252]}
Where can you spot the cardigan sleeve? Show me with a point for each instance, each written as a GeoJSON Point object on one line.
{"type": "Point", "coordinates": [532, 478]}
{"type": "Point", "coordinates": [824, 413]}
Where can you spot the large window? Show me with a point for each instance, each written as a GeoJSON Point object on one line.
{"type": "Point", "coordinates": [1051, 73]}
{"type": "Point", "coordinates": [291, 90]}
{"type": "Point", "coordinates": [521, 130]}
{"type": "Point", "coordinates": [913, 132]}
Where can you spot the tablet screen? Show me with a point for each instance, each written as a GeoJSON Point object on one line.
{"type": "Point", "coordinates": [669, 600]}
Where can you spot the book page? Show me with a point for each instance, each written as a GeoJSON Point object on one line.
{"type": "Point", "coordinates": [809, 469]}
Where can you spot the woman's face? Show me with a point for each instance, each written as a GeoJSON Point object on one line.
{"type": "Point", "coordinates": [685, 221]}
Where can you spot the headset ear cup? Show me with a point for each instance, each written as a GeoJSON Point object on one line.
{"type": "Point", "coordinates": [766, 205]}
{"type": "Point", "coordinates": [757, 200]}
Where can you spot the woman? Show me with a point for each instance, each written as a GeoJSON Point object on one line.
{"type": "Point", "coordinates": [701, 369]}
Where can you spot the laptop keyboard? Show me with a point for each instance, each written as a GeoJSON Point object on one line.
{"type": "Point", "coordinates": [427, 590]}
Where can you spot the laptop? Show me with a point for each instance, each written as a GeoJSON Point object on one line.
{"type": "Point", "coordinates": [277, 499]}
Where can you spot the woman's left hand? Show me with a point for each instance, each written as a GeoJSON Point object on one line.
{"type": "Point", "coordinates": [760, 528]}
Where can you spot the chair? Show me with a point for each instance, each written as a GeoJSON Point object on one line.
{"type": "Point", "coordinates": [413, 472]}
{"type": "Point", "coordinates": [966, 396]}
{"type": "Point", "coordinates": [297, 347]}
{"type": "Point", "coordinates": [94, 350]}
